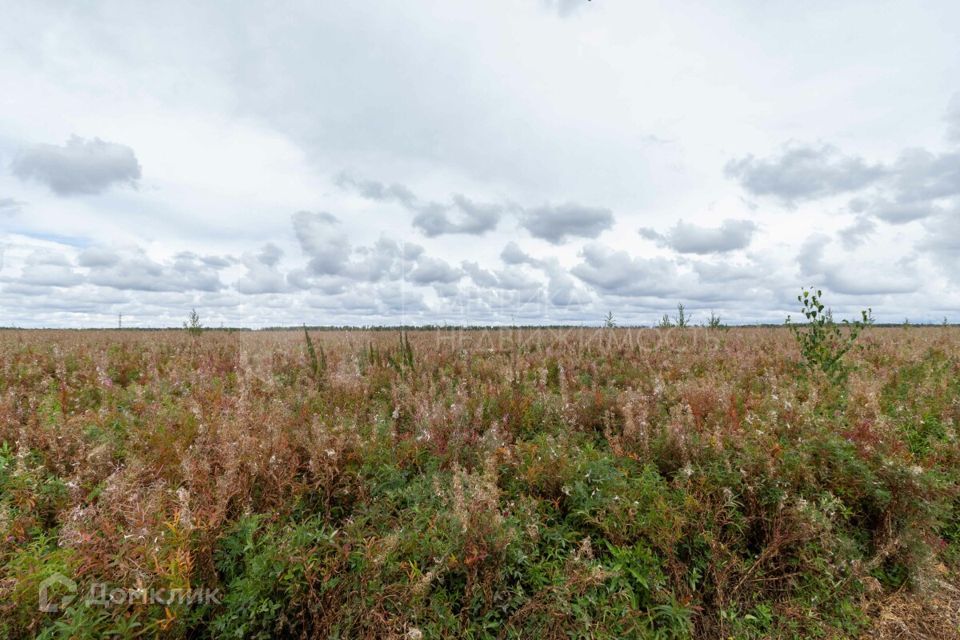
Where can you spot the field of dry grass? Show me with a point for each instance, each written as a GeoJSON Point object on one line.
{"type": "Point", "coordinates": [613, 483]}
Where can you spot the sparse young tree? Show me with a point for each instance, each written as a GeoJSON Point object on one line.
{"type": "Point", "coordinates": [683, 321]}
{"type": "Point", "coordinates": [714, 321]}
{"type": "Point", "coordinates": [192, 325]}
{"type": "Point", "coordinates": [823, 342]}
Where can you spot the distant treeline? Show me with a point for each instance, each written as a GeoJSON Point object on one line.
{"type": "Point", "coordinates": [471, 327]}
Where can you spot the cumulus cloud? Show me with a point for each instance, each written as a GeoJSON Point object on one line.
{"type": "Point", "coordinates": [262, 275]}
{"type": "Point", "coordinates": [334, 263]}
{"type": "Point", "coordinates": [557, 224]}
{"type": "Point", "coordinates": [78, 167]}
{"type": "Point", "coordinates": [942, 242]}
{"type": "Point", "coordinates": [618, 273]}
{"type": "Point", "coordinates": [433, 270]}
{"type": "Point", "coordinates": [803, 172]}
{"type": "Point", "coordinates": [322, 240]}
{"type": "Point", "coordinates": [856, 234]}
{"type": "Point", "coordinates": [123, 269]}
{"type": "Point", "coordinates": [44, 267]}
{"type": "Point", "coordinates": [921, 175]}
{"type": "Point", "coordinates": [853, 277]}
{"type": "Point", "coordinates": [480, 276]}
{"type": "Point", "coordinates": [460, 215]}
{"type": "Point", "coordinates": [98, 257]}
{"type": "Point", "coordinates": [373, 190]}
{"type": "Point", "coordinates": [893, 212]}
{"type": "Point", "coordinates": [513, 254]}
{"type": "Point", "coordinates": [691, 238]}
{"type": "Point", "coordinates": [135, 270]}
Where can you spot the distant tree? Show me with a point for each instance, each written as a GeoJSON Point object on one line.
{"type": "Point", "coordinates": [609, 322]}
{"type": "Point", "coordinates": [683, 321]}
{"type": "Point", "coordinates": [192, 325]}
{"type": "Point", "coordinates": [714, 321]}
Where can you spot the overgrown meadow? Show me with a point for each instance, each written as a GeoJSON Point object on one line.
{"type": "Point", "coordinates": [608, 483]}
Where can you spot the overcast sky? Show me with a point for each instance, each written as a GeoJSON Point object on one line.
{"type": "Point", "coordinates": [495, 161]}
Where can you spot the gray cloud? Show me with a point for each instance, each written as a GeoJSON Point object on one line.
{"type": "Point", "coordinates": [893, 212]}
{"type": "Point", "coordinates": [269, 255]}
{"type": "Point", "coordinates": [942, 241]}
{"type": "Point", "coordinates": [617, 273]}
{"type": "Point", "coordinates": [129, 269]}
{"type": "Point", "coordinates": [719, 272]}
{"type": "Point", "coordinates": [320, 238]}
{"type": "Point", "coordinates": [78, 167]}
{"type": "Point", "coordinates": [9, 206]}
{"type": "Point", "coordinates": [556, 224]}
{"type": "Point", "coordinates": [803, 173]}
{"type": "Point", "coordinates": [373, 190]}
{"type": "Point", "coordinates": [134, 270]}
{"type": "Point", "coordinates": [691, 238]}
{"type": "Point", "coordinates": [513, 254]}
{"type": "Point", "coordinates": [98, 257]}
{"type": "Point", "coordinates": [434, 270]}
{"type": "Point", "coordinates": [334, 262]}
{"type": "Point", "coordinates": [44, 267]}
{"type": "Point", "coordinates": [262, 275]}
{"type": "Point", "coordinates": [470, 217]}
{"type": "Point", "coordinates": [480, 276]}
{"type": "Point", "coordinates": [460, 215]}
{"type": "Point", "coordinates": [564, 8]}
{"type": "Point", "coordinates": [922, 175]}
{"type": "Point", "coordinates": [851, 277]}
{"type": "Point", "coordinates": [856, 234]}
{"type": "Point", "coordinates": [562, 289]}
{"type": "Point", "coordinates": [463, 215]}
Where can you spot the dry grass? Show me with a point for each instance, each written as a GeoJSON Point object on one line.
{"type": "Point", "coordinates": [599, 483]}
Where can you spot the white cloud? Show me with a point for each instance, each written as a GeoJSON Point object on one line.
{"type": "Point", "coordinates": [559, 223]}
{"type": "Point", "coordinates": [624, 116]}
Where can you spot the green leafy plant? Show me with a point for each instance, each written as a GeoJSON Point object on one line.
{"type": "Point", "coordinates": [318, 363]}
{"type": "Point", "coordinates": [823, 342]}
